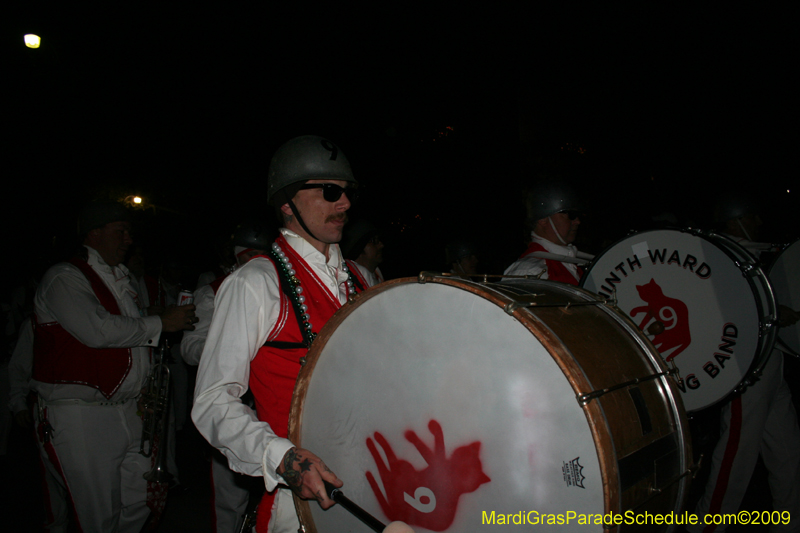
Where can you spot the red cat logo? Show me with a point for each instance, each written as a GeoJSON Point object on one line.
{"type": "Point", "coordinates": [426, 498]}
{"type": "Point", "coordinates": [671, 312]}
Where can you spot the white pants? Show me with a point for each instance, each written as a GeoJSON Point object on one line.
{"type": "Point", "coordinates": [93, 452]}
{"type": "Point", "coordinates": [762, 421]}
{"type": "Point", "coordinates": [230, 494]}
{"type": "Point", "coordinates": [284, 514]}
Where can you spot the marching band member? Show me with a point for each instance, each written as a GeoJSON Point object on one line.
{"type": "Point", "coordinates": [266, 315]}
{"type": "Point", "coordinates": [91, 361]}
{"type": "Point", "coordinates": [761, 420]}
{"type": "Point", "coordinates": [363, 250]}
{"type": "Point", "coordinates": [230, 492]}
{"type": "Point", "coordinates": [462, 258]}
{"type": "Point", "coordinates": [554, 215]}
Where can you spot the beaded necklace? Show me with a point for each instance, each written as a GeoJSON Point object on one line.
{"type": "Point", "coordinates": [293, 289]}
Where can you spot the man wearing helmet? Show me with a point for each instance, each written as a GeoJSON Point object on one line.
{"type": "Point", "coordinates": [91, 358]}
{"type": "Point", "coordinates": [553, 214]}
{"type": "Point", "coordinates": [462, 258]}
{"type": "Point", "coordinates": [267, 313]}
{"type": "Point", "coordinates": [762, 419]}
{"type": "Point", "coordinates": [363, 249]}
{"type": "Point", "coordinates": [230, 492]}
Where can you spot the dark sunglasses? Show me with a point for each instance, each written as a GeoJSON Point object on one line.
{"type": "Point", "coordinates": [332, 192]}
{"type": "Point", "coordinates": [572, 213]}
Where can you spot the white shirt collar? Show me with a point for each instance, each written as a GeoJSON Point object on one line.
{"type": "Point", "coordinates": [311, 254]}
{"type": "Point", "coordinates": [96, 261]}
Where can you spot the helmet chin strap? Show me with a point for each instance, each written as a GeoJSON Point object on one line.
{"type": "Point", "coordinates": [560, 238]}
{"type": "Point", "coordinates": [300, 220]}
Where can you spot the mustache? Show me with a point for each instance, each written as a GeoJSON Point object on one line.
{"type": "Point", "coordinates": [338, 217]}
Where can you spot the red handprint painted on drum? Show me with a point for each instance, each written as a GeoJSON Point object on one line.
{"type": "Point", "coordinates": [671, 312]}
{"type": "Point", "coordinates": [426, 498]}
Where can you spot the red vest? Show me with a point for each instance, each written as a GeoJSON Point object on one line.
{"type": "Point", "coordinates": [273, 372]}
{"type": "Point", "coordinates": [556, 271]}
{"type": "Point", "coordinates": [58, 357]}
{"type": "Point", "coordinates": [217, 282]}
{"type": "Point", "coordinates": [154, 295]}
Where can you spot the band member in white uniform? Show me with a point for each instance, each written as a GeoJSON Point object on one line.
{"type": "Point", "coordinates": [554, 217]}
{"type": "Point", "coordinates": [230, 490]}
{"type": "Point", "coordinates": [762, 420]}
{"type": "Point", "coordinates": [91, 361]}
{"type": "Point", "coordinates": [311, 185]}
{"type": "Point", "coordinates": [363, 250]}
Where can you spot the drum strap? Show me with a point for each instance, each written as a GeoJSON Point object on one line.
{"type": "Point", "coordinates": [283, 277]}
{"type": "Point", "coordinates": [284, 345]}
{"type": "Point", "coordinates": [287, 289]}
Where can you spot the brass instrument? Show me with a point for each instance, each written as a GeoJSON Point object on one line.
{"type": "Point", "coordinates": [156, 415]}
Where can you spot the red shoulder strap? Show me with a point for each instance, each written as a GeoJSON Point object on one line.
{"type": "Point", "coordinates": [100, 290]}
{"type": "Point", "coordinates": [217, 282]}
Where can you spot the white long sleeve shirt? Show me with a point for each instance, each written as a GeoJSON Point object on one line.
{"type": "Point", "coordinates": [194, 341]}
{"type": "Point", "coordinates": [533, 266]}
{"type": "Point", "coordinates": [66, 296]}
{"type": "Point", "coordinates": [246, 311]}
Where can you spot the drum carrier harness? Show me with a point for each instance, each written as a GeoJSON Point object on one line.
{"type": "Point", "coordinates": [288, 285]}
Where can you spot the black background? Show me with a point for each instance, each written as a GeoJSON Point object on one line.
{"type": "Point", "coordinates": [446, 114]}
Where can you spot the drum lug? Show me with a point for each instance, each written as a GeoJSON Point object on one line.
{"type": "Point", "coordinates": [425, 276]}
{"type": "Point", "coordinates": [749, 269]}
{"type": "Point", "coordinates": [587, 397]}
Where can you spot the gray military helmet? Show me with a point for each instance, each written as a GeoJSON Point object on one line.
{"type": "Point", "coordinates": [252, 236]}
{"type": "Point", "coordinates": [97, 214]}
{"type": "Point", "coordinates": [301, 159]}
{"type": "Point", "coordinates": [550, 197]}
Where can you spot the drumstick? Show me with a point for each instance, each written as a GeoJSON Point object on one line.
{"type": "Point", "coordinates": [339, 497]}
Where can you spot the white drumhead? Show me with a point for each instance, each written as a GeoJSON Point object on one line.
{"type": "Point", "coordinates": [708, 307]}
{"type": "Point", "coordinates": [515, 438]}
{"type": "Point", "coordinates": [784, 275]}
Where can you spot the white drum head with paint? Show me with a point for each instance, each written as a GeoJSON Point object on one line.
{"type": "Point", "coordinates": [424, 361]}
{"type": "Point", "coordinates": [692, 285]}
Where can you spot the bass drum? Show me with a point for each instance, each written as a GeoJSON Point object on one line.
{"type": "Point", "coordinates": [714, 302]}
{"type": "Point", "coordinates": [784, 275]}
{"type": "Point", "coordinates": [458, 406]}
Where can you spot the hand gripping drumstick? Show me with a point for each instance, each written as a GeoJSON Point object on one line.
{"type": "Point", "coordinates": [376, 525]}
{"type": "Point", "coordinates": [339, 497]}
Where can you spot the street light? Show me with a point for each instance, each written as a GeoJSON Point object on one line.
{"type": "Point", "coordinates": [134, 200]}
{"type": "Point", "coordinates": [32, 40]}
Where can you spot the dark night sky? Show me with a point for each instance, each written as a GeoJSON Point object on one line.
{"type": "Point", "coordinates": [186, 105]}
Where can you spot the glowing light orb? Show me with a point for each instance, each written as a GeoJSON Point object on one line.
{"type": "Point", "coordinates": [32, 41]}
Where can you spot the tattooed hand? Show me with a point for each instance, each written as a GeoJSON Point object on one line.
{"type": "Point", "coordinates": [304, 472]}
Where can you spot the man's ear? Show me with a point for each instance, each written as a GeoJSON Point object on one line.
{"type": "Point", "coordinates": [286, 210]}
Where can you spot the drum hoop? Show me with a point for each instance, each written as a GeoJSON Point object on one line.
{"type": "Point", "coordinates": [767, 335]}
{"type": "Point", "coordinates": [771, 266]}
{"type": "Point", "coordinates": [595, 415]}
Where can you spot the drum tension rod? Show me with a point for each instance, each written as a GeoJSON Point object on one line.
{"type": "Point", "coordinates": [509, 308]}
{"type": "Point", "coordinates": [583, 399]}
